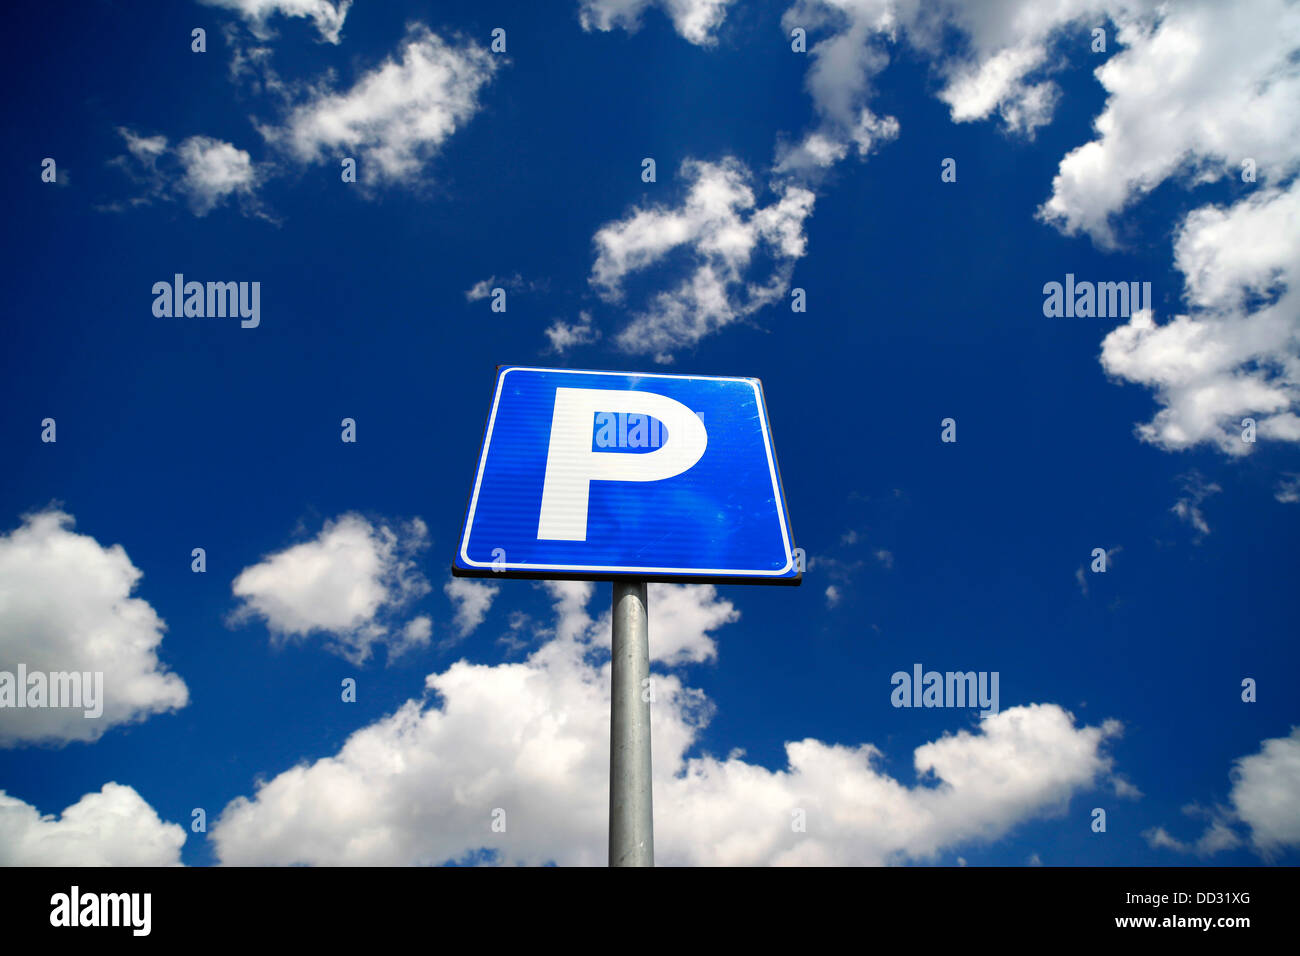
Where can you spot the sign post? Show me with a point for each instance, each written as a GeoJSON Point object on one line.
{"type": "Point", "coordinates": [629, 478]}
{"type": "Point", "coordinates": [631, 801]}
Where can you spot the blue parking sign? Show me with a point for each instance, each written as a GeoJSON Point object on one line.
{"type": "Point", "coordinates": [603, 475]}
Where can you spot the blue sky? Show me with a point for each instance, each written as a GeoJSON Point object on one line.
{"type": "Point", "coordinates": [775, 170]}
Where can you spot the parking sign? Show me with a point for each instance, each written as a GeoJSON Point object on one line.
{"type": "Point", "coordinates": [603, 475]}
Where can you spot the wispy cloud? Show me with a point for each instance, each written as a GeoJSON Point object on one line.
{"type": "Point", "coordinates": [696, 20]}
{"type": "Point", "coordinates": [1188, 507]}
{"type": "Point", "coordinates": [326, 15]}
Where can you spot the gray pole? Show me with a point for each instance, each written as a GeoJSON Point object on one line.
{"type": "Point", "coordinates": [631, 810]}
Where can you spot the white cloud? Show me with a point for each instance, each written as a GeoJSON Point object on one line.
{"type": "Point", "coordinates": [993, 57]}
{"type": "Point", "coordinates": [414, 635]}
{"type": "Point", "coordinates": [532, 739]}
{"type": "Point", "coordinates": [214, 171]}
{"type": "Point", "coordinates": [1000, 64]}
{"type": "Point", "coordinates": [1288, 489]}
{"type": "Point", "coordinates": [114, 827]}
{"type": "Point", "coordinates": [696, 20]}
{"type": "Point", "coordinates": [512, 640]}
{"type": "Point", "coordinates": [144, 148]}
{"type": "Point", "coordinates": [839, 78]}
{"type": "Point", "coordinates": [1188, 507]}
{"type": "Point", "coordinates": [1225, 89]}
{"type": "Point", "coordinates": [1218, 836]}
{"type": "Point", "coordinates": [516, 283]}
{"type": "Point", "coordinates": [201, 171]}
{"type": "Point", "coordinates": [393, 121]}
{"type": "Point", "coordinates": [395, 118]}
{"type": "Point", "coordinates": [327, 16]}
{"type": "Point", "coordinates": [1230, 357]}
{"type": "Point", "coordinates": [1223, 86]}
{"type": "Point", "coordinates": [1009, 53]}
{"type": "Point", "coordinates": [571, 598]}
{"type": "Point", "coordinates": [472, 600]}
{"type": "Point", "coordinates": [251, 65]}
{"type": "Point", "coordinates": [566, 335]}
{"type": "Point", "coordinates": [344, 584]}
{"type": "Point", "coordinates": [66, 605]}
{"type": "Point", "coordinates": [1125, 789]}
{"type": "Point", "coordinates": [481, 289]}
{"type": "Point", "coordinates": [684, 617]}
{"type": "Point", "coordinates": [833, 595]}
{"type": "Point", "coordinates": [1265, 799]}
{"type": "Point", "coordinates": [1194, 90]}
{"type": "Point", "coordinates": [721, 227]}
{"type": "Point", "coordinates": [1266, 793]}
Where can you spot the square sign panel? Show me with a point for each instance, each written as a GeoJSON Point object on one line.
{"type": "Point", "coordinates": [603, 475]}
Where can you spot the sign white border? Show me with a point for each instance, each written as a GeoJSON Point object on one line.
{"type": "Point", "coordinates": [613, 569]}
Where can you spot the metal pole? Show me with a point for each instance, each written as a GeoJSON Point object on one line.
{"type": "Point", "coordinates": [631, 809]}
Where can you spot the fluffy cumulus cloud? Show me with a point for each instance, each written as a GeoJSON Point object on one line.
{"type": "Point", "coordinates": [326, 15]}
{"type": "Point", "coordinates": [1024, 762]}
{"type": "Point", "coordinates": [1236, 353]}
{"type": "Point", "coordinates": [346, 584]}
{"type": "Point", "coordinates": [683, 618]}
{"type": "Point", "coordinates": [201, 171]}
{"type": "Point", "coordinates": [721, 230]}
{"type": "Point", "coordinates": [1196, 92]}
{"type": "Point", "coordinates": [66, 606]}
{"type": "Point", "coordinates": [114, 827]}
{"type": "Point", "coordinates": [1264, 800]}
{"type": "Point", "coordinates": [396, 117]}
{"type": "Point", "coordinates": [213, 171]}
{"type": "Point", "coordinates": [528, 744]}
{"type": "Point", "coordinates": [1193, 91]}
{"type": "Point", "coordinates": [1266, 793]}
{"type": "Point", "coordinates": [696, 20]}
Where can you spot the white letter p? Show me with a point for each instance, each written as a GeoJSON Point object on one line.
{"type": "Point", "coordinates": [571, 464]}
